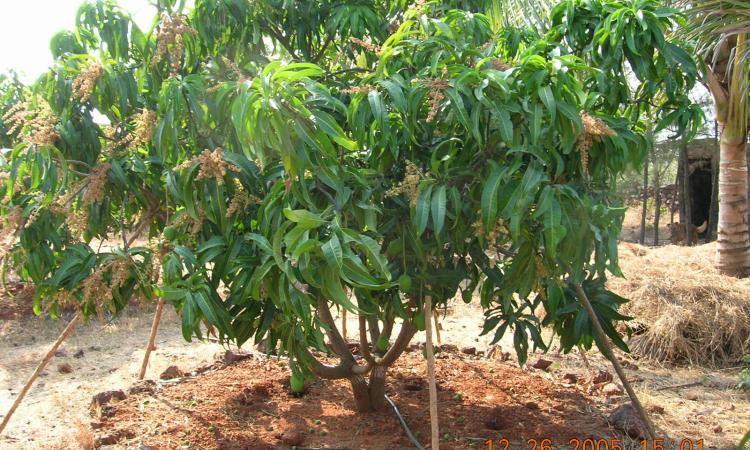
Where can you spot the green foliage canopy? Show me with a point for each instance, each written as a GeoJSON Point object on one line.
{"type": "Point", "coordinates": [287, 157]}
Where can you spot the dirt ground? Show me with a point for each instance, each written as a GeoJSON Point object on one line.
{"type": "Point", "coordinates": [102, 356]}
{"type": "Point", "coordinates": [247, 405]}
{"type": "Point", "coordinates": [631, 227]}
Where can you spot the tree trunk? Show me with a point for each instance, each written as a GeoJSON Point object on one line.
{"type": "Point", "coordinates": [377, 387]}
{"type": "Point", "coordinates": [657, 213]}
{"type": "Point", "coordinates": [642, 238]}
{"type": "Point", "coordinates": [361, 392]}
{"type": "Point", "coordinates": [733, 247]}
{"type": "Point", "coordinates": [713, 211]}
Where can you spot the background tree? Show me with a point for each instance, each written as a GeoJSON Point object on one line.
{"type": "Point", "coordinates": [720, 30]}
{"type": "Point", "coordinates": [290, 158]}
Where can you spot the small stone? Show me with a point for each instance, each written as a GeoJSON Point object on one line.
{"type": "Point", "coordinates": [413, 384]}
{"type": "Point", "coordinates": [292, 438]}
{"type": "Point", "coordinates": [469, 350]}
{"type": "Point", "coordinates": [691, 395]}
{"type": "Point", "coordinates": [451, 348]}
{"type": "Point", "coordinates": [113, 437]}
{"type": "Point", "coordinates": [570, 378]}
{"type": "Point", "coordinates": [263, 347]}
{"type": "Point", "coordinates": [231, 357]}
{"type": "Point", "coordinates": [61, 354]}
{"type": "Point", "coordinates": [717, 429]}
{"type": "Point", "coordinates": [611, 389]}
{"type": "Point", "coordinates": [601, 376]}
{"type": "Point", "coordinates": [142, 387]}
{"type": "Point", "coordinates": [106, 411]}
{"type": "Point", "coordinates": [542, 364]}
{"type": "Point", "coordinates": [170, 373]}
{"type": "Point", "coordinates": [64, 368]}
{"type": "Point", "coordinates": [625, 419]}
{"type": "Point", "coordinates": [78, 354]}
{"type": "Point", "coordinates": [532, 406]}
{"type": "Point", "coordinates": [656, 409]}
{"type": "Point", "coordinates": [106, 397]}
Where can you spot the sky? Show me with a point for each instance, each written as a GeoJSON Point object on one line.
{"type": "Point", "coordinates": [26, 27]}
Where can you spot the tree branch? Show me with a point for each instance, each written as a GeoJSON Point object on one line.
{"type": "Point", "coordinates": [334, 336]}
{"type": "Point", "coordinates": [404, 337]}
{"type": "Point", "coordinates": [343, 370]}
{"type": "Point", "coordinates": [323, 49]}
{"type": "Point", "coordinates": [364, 346]}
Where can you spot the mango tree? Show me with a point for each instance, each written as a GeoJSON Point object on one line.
{"type": "Point", "coordinates": [288, 159]}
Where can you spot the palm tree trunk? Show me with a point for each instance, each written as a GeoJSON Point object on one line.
{"type": "Point", "coordinates": [642, 238]}
{"type": "Point", "coordinates": [733, 247]}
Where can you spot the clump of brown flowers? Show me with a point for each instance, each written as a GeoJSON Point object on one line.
{"type": "Point", "coordinates": [593, 128]}
{"type": "Point", "coordinates": [241, 200]}
{"type": "Point", "coordinates": [12, 222]}
{"type": "Point", "coordinates": [367, 45]}
{"type": "Point", "coordinates": [363, 89]}
{"type": "Point", "coordinates": [212, 165]}
{"type": "Point", "coordinates": [37, 120]}
{"type": "Point", "coordinates": [169, 40]}
{"type": "Point", "coordinates": [409, 185]}
{"type": "Point", "coordinates": [77, 221]}
{"type": "Point", "coordinates": [498, 64]}
{"type": "Point", "coordinates": [145, 124]}
{"type": "Point", "coordinates": [95, 287]}
{"type": "Point", "coordinates": [85, 82]}
{"type": "Point", "coordinates": [96, 182]}
{"type": "Point", "coordinates": [493, 236]}
{"type": "Point", "coordinates": [436, 94]}
{"type": "Point", "coordinates": [419, 4]}
{"type": "Point", "coordinates": [14, 219]}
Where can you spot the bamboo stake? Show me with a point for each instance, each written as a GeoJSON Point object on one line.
{"type": "Point", "coordinates": [343, 324]}
{"type": "Point", "coordinates": [609, 354]}
{"type": "Point", "coordinates": [434, 425]}
{"type": "Point", "coordinates": [152, 338]}
{"type": "Point", "coordinates": [39, 368]}
{"type": "Point", "coordinates": [436, 316]}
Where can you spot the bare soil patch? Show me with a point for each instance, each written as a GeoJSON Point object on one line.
{"type": "Point", "coordinates": [249, 406]}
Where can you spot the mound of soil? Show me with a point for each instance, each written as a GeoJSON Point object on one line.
{"type": "Point", "coordinates": [248, 405]}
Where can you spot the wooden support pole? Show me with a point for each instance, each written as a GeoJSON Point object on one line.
{"type": "Point", "coordinates": [152, 338]}
{"type": "Point", "coordinates": [434, 423]}
{"type": "Point", "coordinates": [609, 354]}
{"type": "Point", "coordinates": [642, 237]}
{"type": "Point", "coordinates": [39, 368]}
{"type": "Point", "coordinates": [343, 324]}
{"type": "Point", "coordinates": [436, 316]}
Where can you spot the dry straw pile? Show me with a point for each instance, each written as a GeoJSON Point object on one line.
{"type": "Point", "coordinates": [684, 310]}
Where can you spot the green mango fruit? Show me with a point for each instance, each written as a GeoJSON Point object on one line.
{"type": "Point", "coordinates": [170, 233]}
{"type": "Point", "coordinates": [419, 321]}
{"type": "Point", "coordinates": [404, 283]}
{"type": "Point", "coordinates": [382, 344]}
{"type": "Point", "coordinates": [298, 382]}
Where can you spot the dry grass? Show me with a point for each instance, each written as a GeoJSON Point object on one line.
{"type": "Point", "coordinates": [83, 435]}
{"type": "Point", "coordinates": [686, 312]}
